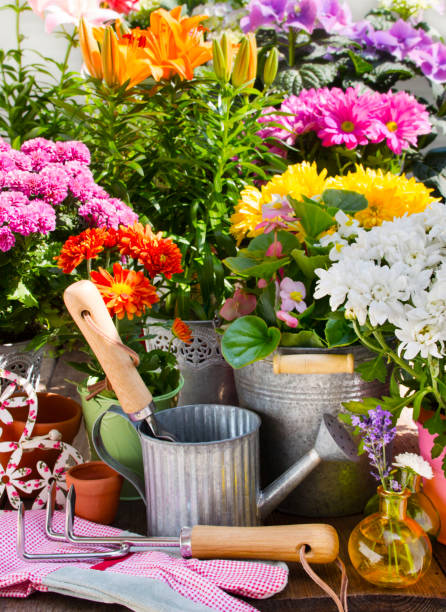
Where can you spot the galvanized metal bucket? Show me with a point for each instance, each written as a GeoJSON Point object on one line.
{"type": "Point", "coordinates": [291, 407]}
{"type": "Point", "coordinates": [207, 376]}
{"type": "Point", "coordinates": [211, 477]}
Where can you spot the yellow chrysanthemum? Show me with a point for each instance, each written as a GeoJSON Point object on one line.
{"type": "Point", "coordinates": [297, 180]}
{"type": "Point", "coordinates": [388, 195]}
{"type": "Point", "coordinates": [247, 215]}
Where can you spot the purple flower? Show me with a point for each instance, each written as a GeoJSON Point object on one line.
{"type": "Point", "coordinates": [398, 40]}
{"type": "Point", "coordinates": [270, 13]}
{"type": "Point", "coordinates": [302, 15]}
{"type": "Point", "coordinates": [7, 239]}
{"type": "Point", "coordinates": [377, 432]}
{"type": "Point", "coordinates": [431, 61]}
{"type": "Point", "coordinates": [334, 17]}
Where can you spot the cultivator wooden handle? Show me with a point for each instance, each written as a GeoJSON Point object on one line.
{"type": "Point", "coordinates": [313, 364]}
{"type": "Point", "coordinates": [102, 336]}
{"type": "Point", "coordinates": [279, 542]}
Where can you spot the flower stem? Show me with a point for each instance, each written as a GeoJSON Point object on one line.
{"type": "Point", "coordinates": [291, 46]}
{"type": "Point", "coordinates": [388, 351]}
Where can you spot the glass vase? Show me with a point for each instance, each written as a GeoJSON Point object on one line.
{"type": "Point", "coordinates": [389, 548]}
{"type": "Point", "coordinates": [419, 507]}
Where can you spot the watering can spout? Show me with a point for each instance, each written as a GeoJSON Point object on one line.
{"type": "Point", "coordinates": [333, 443]}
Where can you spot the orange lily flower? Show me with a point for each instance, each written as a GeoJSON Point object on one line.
{"type": "Point", "coordinates": [90, 49]}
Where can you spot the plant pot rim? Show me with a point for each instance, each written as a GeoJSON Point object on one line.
{"type": "Point", "coordinates": [110, 474]}
{"type": "Point", "coordinates": [82, 388]}
{"type": "Point", "coordinates": [53, 424]}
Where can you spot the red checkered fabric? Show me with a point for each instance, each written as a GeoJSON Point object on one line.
{"type": "Point", "coordinates": [199, 581]}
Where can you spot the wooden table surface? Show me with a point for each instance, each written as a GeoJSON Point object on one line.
{"type": "Point", "coordinates": [301, 594]}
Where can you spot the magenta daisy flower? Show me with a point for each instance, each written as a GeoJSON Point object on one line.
{"type": "Point", "coordinates": [349, 119]}
{"type": "Point", "coordinates": [402, 119]}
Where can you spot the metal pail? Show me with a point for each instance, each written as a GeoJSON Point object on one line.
{"type": "Point", "coordinates": [211, 477]}
{"type": "Point", "coordinates": [291, 407]}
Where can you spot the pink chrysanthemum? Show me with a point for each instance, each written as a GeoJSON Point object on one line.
{"type": "Point", "coordinates": [109, 213]}
{"type": "Point", "coordinates": [40, 144]}
{"type": "Point", "coordinates": [4, 146]}
{"type": "Point", "coordinates": [402, 120]}
{"type": "Point", "coordinates": [72, 151]}
{"type": "Point", "coordinates": [7, 239]}
{"type": "Point", "coordinates": [349, 119]}
{"type": "Point", "coordinates": [43, 215]}
{"type": "Point", "coordinates": [53, 185]}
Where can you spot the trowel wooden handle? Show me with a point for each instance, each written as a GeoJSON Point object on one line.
{"type": "Point", "coordinates": [124, 378]}
{"type": "Point", "coordinates": [313, 364]}
{"type": "Point", "coordinates": [277, 542]}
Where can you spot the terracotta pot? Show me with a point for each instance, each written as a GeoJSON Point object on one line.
{"type": "Point", "coordinates": [54, 412]}
{"type": "Point", "coordinates": [435, 488]}
{"type": "Point", "coordinates": [97, 489]}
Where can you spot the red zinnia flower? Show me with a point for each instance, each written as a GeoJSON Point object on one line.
{"type": "Point", "coordinates": [86, 245]}
{"type": "Point", "coordinates": [126, 292]}
{"type": "Point", "coordinates": [182, 331]}
{"type": "Point", "coordinates": [158, 255]}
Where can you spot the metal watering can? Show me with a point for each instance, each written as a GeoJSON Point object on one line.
{"type": "Point", "coordinates": [210, 474]}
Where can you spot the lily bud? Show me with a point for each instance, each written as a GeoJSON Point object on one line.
{"type": "Point", "coordinates": [252, 64]}
{"type": "Point", "coordinates": [245, 65]}
{"type": "Point", "coordinates": [218, 61]}
{"type": "Point", "coordinates": [240, 72]}
{"type": "Point", "coordinates": [110, 57]}
{"type": "Point", "coordinates": [271, 67]}
{"type": "Point", "coordinates": [90, 50]}
{"type": "Point", "coordinates": [228, 53]}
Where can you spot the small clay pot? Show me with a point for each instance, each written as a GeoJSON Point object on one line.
{"type": "Point", "coordinates": [97, 489]}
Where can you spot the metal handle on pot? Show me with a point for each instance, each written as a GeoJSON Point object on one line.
{"type": "Point", "coordinates": [128, 474]}
{"type": "Point", "coordinates": [313, 364]}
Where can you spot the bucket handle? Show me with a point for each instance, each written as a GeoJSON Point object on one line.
{"type": "Point", "coordinates": [128, 474]}
{"type": "Point", "coordinates": [313, 364]}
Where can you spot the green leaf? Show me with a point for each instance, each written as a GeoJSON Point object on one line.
{"type": "Point", "coordinates": [247, 340]}
{"type": "Point", "coordinates": [309, 264]}
{"type": "Point", "coordinates": [338, 332]}
{"type": "Point", "coordinates": [374, 369]}
{"type": "Point", "coordinates": [360, 64]}
{"type": "Point", "coordinates": [245, 266]}
{"type": "Point", "coordinates": [265, 304]}
{"type": "Point", "coordinates": [348, 201]}
{"type": "Point", "coordinates": [24, 295]}
{"type": "Point", "coordinates": [314, 220]}
{"type": "Point", "coordinates": [305, 338]}
{"type": "Point", "coordinates": [261, 243]}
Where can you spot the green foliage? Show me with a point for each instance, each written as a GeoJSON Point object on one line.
{"type": "Point", "coordinates": [248, 339]}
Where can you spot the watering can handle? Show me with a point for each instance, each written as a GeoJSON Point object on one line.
{"type": "Point", "coordinates": [128, 474]}
{"type": "Point", "coordinates": [313, 364]}
{"type": "Point", "coordinates": [102, 336]}
{"type": "Point", "coordinates": [280, 542]}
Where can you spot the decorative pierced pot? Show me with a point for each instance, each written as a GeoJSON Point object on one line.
{"type": "Point", "coordinates": [291, 408]}
{"type": "Point", "coordinates": [208, 379]}
{"type": "Point", "coordinates": [16, 359]}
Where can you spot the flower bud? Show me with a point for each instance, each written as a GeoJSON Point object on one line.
{"type": "Point", "coordinates": [271, 67]}
{"type": "Point", "coordinates": [219, 61]}
{"type": "Point", "coordinates": [110, 57]}
{"type": "Point", "coordinates": [90, 50]}
{"type": "Point", "coordinates": [245, 65]}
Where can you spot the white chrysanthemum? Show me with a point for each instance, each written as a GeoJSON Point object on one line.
{"type": "Point", "coordinates": [419, 337]}
{"type": "Point", "coordinates": [414, 462]}
{"type": "Point", "coordinates": [347, 225]}
{"type": "Point", "coordinates": [411, 7]}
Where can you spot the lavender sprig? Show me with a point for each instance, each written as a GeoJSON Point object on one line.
{"type": "Point", "coordinates": [377, 432]}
